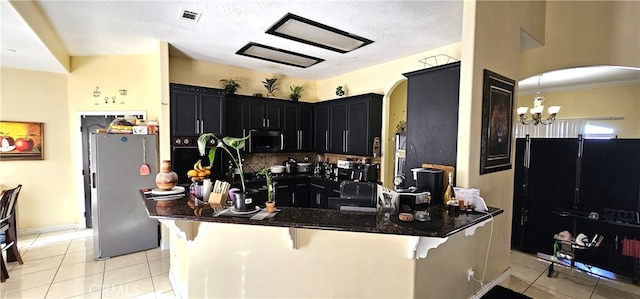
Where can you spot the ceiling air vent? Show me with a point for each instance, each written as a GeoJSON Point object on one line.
{"type": "Point", "coordinates": [189, 15]}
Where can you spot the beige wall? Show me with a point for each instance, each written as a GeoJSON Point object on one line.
{"type": "Point", "coordinates": [56, 200]}
{"type": "Point", "coordinates": [200, 73]}
{"type": "Point", "coordinates": [47, 199]}
{"type": "Point", "coordinates": [616, 101]}
{"type": "Point", "coordinates": [582, 33]}
{"type": "Point", "coordinates": [397, 113]}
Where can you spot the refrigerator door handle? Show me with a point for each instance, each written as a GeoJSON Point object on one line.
{"type": "Point", "coordinates": [93, 180]}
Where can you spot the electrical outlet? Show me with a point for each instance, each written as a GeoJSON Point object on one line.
{"type": "Point", "coordinates": [470, 274]}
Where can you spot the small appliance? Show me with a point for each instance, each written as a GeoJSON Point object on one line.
{"type": "Point", "coordinates": [365, 172]}
{"type": "Point", "coordinates": [263, 141]}
{"type": "Point", "coordinates": [290, 165]}
{"type": "Point", "coordinates": [429, 179]}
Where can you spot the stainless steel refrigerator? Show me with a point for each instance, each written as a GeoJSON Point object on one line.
{"type": "Point", "coordinates": [120, 222]}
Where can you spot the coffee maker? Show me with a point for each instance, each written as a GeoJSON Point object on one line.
{"type": "Point", "coordinates": [429, 179]}
{"type": "Point", "coordinates": [428, 189]}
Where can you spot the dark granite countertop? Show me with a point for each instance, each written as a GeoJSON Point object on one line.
{"type": "Point", "coordinates": [444, 222]}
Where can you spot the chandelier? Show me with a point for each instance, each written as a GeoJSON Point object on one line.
{"type": "Point", "coordinates": [536, 111]}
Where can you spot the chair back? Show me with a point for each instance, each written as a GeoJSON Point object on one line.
{"type": "Point", "coordinates": [7, 204]}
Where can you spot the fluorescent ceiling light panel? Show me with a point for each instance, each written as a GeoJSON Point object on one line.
{"type": "Point", "coordinates": [272, 54]}
{"type": "Point", "coordinates": [310, 32]}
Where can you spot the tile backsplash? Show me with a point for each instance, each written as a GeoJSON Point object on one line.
{"type": "Point", "coordinates": [258, 161]}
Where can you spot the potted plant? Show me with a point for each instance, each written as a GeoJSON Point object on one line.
{"type": "Point", "coordinates": [270, 205]}
{"type": "Point", "coordinates": [295, 92]}
{"type": "Point", "coordinates": [227, 142]}
{"type": "Point", "coordinates": [229, 85]}
{"type": "Point", "coordinates": [270, 85]}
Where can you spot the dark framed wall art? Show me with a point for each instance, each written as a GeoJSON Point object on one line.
{"type": "Point", "coordinates": [497, 117]}
{"type": "Point", "coordinates": [21, 141]}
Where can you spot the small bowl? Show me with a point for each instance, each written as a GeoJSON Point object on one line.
{"type": "Point", "coordinates": [277, 169]}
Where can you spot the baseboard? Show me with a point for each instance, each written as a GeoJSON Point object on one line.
{"type": "Point", "coordinates": [502, 277]}
{"type": "Point", "coordinates": [48, 229]}
{"type": "Point", "coordinates": [176, 287]}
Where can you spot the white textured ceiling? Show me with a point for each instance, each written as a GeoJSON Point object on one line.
{"type": "Point", "coordinates": [87, 28]}
{"type": "Point", "coordinates": [110, 27]}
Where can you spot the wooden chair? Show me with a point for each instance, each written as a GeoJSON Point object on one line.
{"type": "Point", "coordinates": [7, 226]}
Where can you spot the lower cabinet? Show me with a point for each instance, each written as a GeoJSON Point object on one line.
{"type": "Point", "coordinates": [300, 193]}
{"type": "Point", "coordinates": [318, 193]}
{"type": "Point", "coordinates": [283, 192]}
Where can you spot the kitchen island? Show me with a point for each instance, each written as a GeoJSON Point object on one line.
{"type": "Point", "coordinates": [303, 252]}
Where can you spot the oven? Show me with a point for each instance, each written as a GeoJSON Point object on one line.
{"type": "Point", "coordinates": [184, 153]}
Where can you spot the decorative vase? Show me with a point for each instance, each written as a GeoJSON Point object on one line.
{"type": "Point", "coordinates": [270, 206]}
{"type": "Point", "coordinates": [166, 179]}
{"type": "Point", "coordinates": [241, 201]}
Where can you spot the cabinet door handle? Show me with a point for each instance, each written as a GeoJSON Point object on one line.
{"type": "Point", "coordinates": [268, 123]}
{"type": "Point", "coordinates": [300, 140]}
{"type": "Point", "coordinates": [346, 141]}
{"type": "Point", "coordinates": [318, 199]}
{"type": "Point", "coordinates": [317, 186]}
{"type": "Point", "coordinates": [293, 198]}
{"type": "Point", "coordinates": [281, 141]}
{"type": "Point", "coordinates": [197, 126]}
{"type": "Point", "coordinates": [283, 186]}
{"type": "Point", "coordinates": [264, 123]}
{"type": "Point", "coordinates": [326, 140]}
{"type": "Point", "coordinates": [201, 126]}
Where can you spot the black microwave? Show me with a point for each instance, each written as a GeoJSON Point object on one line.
{"type": "Point", "coordinates": [262, 141]}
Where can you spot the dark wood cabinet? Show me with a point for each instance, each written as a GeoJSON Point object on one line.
{"type": "Point", "coordinates": [196, 110]}
{"type": "Point", "coordinates": [321, 127]}
{"type": "Point", "coordinates": [318, 193]}
{"type": "Point", "coordinates": [338, 128]}
{"type": "Point", "coordinates": [349, 125]}
{"type": "Point", "coordinates": [236, 121]}
{"type": "Point", "coordinates": [283, 193]}
{"type": "Point", "coordinates": [265, 113]}
{"type": "Point", "coordinates": [432, 117]}
{"type": "Point", "coordinates": [298, 127]}
{"type": "Point", "coordinates": [300, 193]}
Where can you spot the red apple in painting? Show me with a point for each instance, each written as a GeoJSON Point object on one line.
{"type": "Point", "coordinates": [24, 144]}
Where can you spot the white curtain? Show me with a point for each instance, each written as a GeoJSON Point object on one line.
{"type": "Point", "coordinates": [560, 128]}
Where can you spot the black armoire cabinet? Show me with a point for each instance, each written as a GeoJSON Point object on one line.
{"type": "Point", "coordinates": [432, 117]}
{"type": "Point", "coordinates": [196, 110]}
{"type": "Point", "coordinates": [587, 186]}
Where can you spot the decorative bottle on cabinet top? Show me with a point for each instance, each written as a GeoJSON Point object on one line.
{"type": "Point", "coordinates": [449, 194]}
{"type": "Point", "coordinates": [166, 179]}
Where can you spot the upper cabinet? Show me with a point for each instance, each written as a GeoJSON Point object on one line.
{"type": "Point", "coordinates": [349, 125]}
{"type": "Point", "coordinates": [196, 110]}
{"type": "Point", "coordinates": [265, 113]}
{"type": "Point", "coordinates": [298, 127]}
{"type": "Point", "coordinates": [432, 117]}
{"type": "Point", "coordinates": [236, 120]}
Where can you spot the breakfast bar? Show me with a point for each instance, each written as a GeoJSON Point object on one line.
{"type": "Point", "coordinates": [305, 252]}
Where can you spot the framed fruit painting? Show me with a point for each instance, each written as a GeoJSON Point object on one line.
{"type": "Point", "coordinates": [21, 141]}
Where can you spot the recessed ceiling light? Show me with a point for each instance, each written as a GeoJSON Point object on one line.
{"type": "Point", "coordinates": [320, 35]}
{"type": "Point", "coordinates": [272, 54]}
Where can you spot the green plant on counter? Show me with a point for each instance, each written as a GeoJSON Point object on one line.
{"type": "Point", "coordinates": [296, 92]}
{"type": "Point", "coordinates": [230, 86]}
{"type": "Point", "coordinates": [227, 142]}
{"type": "Point", "coordinates": [270, 185]}
{"type": "Point", "coordinates": [270, 85]}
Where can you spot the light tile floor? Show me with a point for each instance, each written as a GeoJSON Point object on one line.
{"type": "Point", "coordinates": [529, 276]}
{"type": "Point", "coordinates": [61, 265]}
